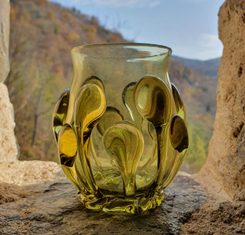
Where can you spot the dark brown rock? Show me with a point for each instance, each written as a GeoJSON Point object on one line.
{"type": "Point", "coordinates": [55, 209]}
{"type": "Point", "coordinates": [217, 218]}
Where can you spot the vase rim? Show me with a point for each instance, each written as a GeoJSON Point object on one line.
{"type": "Point", "coordinates": [160, 49]}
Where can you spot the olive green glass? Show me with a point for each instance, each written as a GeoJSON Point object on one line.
{"type": "Point", "coordinates": [121, 128]}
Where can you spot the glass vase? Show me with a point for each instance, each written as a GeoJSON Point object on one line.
{"type": "Point", "coordinates": [121, 127]}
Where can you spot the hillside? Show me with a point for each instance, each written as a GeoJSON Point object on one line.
{"type": "Point", "coordinates": [206, 67]}
{"type": "Point", "coordinates": [42, 35]}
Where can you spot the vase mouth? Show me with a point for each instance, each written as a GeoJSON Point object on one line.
{"type": "Point", "coordinates": [122, 50]}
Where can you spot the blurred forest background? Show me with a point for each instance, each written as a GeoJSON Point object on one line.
{"type": "Point", "coordinates": [42, 35]}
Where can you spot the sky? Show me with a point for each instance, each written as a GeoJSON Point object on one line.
{"type": "Point", "coordinates": [189, 27]}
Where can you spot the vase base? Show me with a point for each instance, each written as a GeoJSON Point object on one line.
{"type": "Point", "coordinates": [124, 205]}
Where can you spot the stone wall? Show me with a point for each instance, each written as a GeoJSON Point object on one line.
{"type": "Point", "coordinates": [4, 39]}
{"type": "Point", "coordinates": [8, 147]}
{"type": "Point", "coordinates": [226, 158]}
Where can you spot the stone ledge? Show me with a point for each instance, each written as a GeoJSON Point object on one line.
{"type": "Point", "coordinates": [23, 173]}
{"type": "Point", "coordinates": [54, 208]}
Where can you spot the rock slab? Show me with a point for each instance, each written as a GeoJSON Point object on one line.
{"type": "Point", "coordinates": [23, 173]}
{"type": "Point", "coordinates": [54, 208]}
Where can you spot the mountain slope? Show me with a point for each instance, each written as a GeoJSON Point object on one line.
{"type": "Point", "coordinates": [42, 35]}
{"type": "Point", "coordinates": [206, 67]}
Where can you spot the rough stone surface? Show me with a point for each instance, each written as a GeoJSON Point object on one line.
{"type": "Point", "coordinates": [217, 218]}
{"type": "Point", "coordinates": [10, 193]}
{"type": "Point", "coordinates": [54, 208]}
{"type": "Point", "coordinates": [226, 158]}
{"type": "Point", "coordinates": [4, 39]}
{"type": "Point", "coordinates": [28, 172]}
{"type": "Point", "coordinates": [8, 146]}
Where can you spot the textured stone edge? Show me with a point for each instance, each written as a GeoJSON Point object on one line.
{"type": "Point", "coordinates": [4, 39]}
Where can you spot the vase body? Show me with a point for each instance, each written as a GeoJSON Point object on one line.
{"type": "Point", "coordinates": [121, 128]}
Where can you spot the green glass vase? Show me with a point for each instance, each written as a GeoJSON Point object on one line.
{"type": "Point", "coordinates": [121, 128]}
